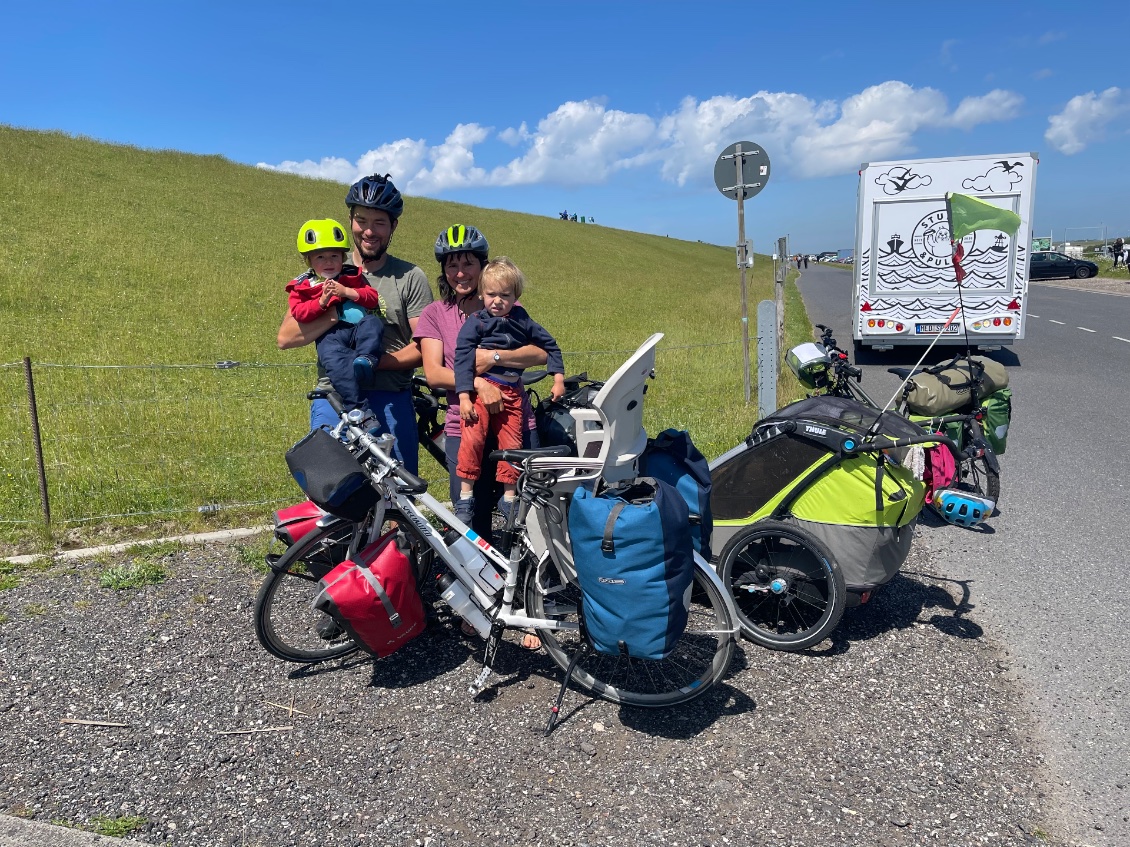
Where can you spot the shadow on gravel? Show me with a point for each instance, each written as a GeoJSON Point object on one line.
{"type": "Point", "coordinates": [904, 601]}
{"type": "Point", "coordinates": [690, 719]}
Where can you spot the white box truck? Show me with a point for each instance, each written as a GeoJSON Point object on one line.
{"type": "Point", "coordinates": [905, 284]}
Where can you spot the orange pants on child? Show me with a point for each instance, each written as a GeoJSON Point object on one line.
{"type": "Point", "coordinates": [506, 425]}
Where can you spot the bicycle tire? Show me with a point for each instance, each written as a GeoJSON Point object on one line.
{"type": "Point", "coordinates": [701, 656]}
{"type": "Point", "coordinates": [978, 478]}
{"type": "Point", "coordinates": [811, 597]}
{"type": "Point", "coordinates": [285, 622]}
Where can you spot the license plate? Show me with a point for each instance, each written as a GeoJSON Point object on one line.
{"type": "Point", "coordinates": [934, 329]}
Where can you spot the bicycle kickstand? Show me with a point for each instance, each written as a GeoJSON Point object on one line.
{"type": "Point", "coordinates": [480, 682]}
{"type": "Point", "coordinates": [555, 709]}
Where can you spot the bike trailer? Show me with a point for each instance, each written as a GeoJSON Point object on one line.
{"type": "Point", "coordinates": [374, 597]}
{"type": "Point", "coordinates": [800, 465]}
{"type": "Point", "coordinates": [633, 556]}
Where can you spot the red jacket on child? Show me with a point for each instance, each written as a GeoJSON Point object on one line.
{"type": "Point", "coordinates": [306, 291]}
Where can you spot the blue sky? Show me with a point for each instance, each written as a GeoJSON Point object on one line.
{"type": "Point", "coordinates": [615, 110]}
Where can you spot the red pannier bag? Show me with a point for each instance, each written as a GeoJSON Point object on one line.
{"type": "Point", "coordinates": [293, 522]}
{"type": "Point", "coordinates": [374, 598]}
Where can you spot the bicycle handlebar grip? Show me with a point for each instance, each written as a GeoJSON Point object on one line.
{"type": "Point", "coordinates": [412, 483]}
{"type": "Point", "coordinates": [331, 397]}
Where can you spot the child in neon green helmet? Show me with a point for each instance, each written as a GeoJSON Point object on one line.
{"type": "Point", "coordinates": [350, 349]}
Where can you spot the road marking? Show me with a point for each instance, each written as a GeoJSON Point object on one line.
{"type": "Point", "coordinates": [1032, 316]}
{"type": "Point", "coordinates": [1055, 322]}
{"type": "Point", "coordinates": [1120, 338]}
{"type": "Point", "coordinates": [1085, 329]}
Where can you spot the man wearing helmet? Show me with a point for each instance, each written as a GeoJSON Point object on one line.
{"type": "Point", "coordinates": [375, 206]}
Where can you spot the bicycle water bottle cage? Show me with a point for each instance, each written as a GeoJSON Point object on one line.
{"type": "Point", "coordinates": [962, 508]}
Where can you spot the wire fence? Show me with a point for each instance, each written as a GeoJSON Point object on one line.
{"type": "Point", "coordinates": [126, 444]}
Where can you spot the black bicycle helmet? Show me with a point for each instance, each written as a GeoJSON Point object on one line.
{"type": "Point", "coordinates": [462, 239]}
{"type": "Point", "coordinates": [376, 192]}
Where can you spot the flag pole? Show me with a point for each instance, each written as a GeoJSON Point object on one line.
{"type": "Point", "coordinates": [958, 271]}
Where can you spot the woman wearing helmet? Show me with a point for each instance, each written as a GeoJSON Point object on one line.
{"type": "Point", "coordinates": [461, 252]}
{"type": "Point", "coordinates": [375, 206]}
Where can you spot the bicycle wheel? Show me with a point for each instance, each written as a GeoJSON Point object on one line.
{"type": "Point", "coordinates": [700, 657]}
{"type": "Point", "coordinates": [788, 588]}
{"type": "Point", "coordinates": [285, 623]}
{"type": "Point", "coordinates": [978, 478]}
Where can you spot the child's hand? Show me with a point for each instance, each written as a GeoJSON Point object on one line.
{"type": "Point", "coordinates": [558, 390]}
{"type": "Point", "coordinates": [467, 409]}
{"type": "Point", "coordinates": [336, 289]}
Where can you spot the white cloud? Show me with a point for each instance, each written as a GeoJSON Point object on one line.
{"type": "Point", "coordinates": [1084, 120]}
{"type": "Point", "coordinates": [585, 142]}
{"type": "Point", "coordinates": [997, 105]}
{"type": "Point", "coordinates": [580, 142]}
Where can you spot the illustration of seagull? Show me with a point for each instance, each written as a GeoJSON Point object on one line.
{"type": "Point", "coordinates": [1004, 163]}
{"type": "Point", "coordinates": [900, 184]}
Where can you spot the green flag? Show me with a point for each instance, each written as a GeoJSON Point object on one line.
{"type": "Point", "coordinates": [968, 214]}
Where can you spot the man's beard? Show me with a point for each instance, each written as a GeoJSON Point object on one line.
{"type": "Point", "coordinates": [371, 257]}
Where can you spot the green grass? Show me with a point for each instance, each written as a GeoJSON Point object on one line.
{"type": "Point", "coordinates": [117, 827]}
{"type": "Point", "coordinates": [169, 263]}
{"type": "Point", "coordinates": [144, 569]}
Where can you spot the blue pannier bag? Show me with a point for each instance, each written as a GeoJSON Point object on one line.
{"type": "Point", "coordinates": [673, 458]}
{"type": "Point", "coordinates": [634, 559]}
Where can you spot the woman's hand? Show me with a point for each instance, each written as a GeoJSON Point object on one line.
{"type": "Point", "coordinates": [490, 394]}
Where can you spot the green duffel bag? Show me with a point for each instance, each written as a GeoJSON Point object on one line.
{"type": "Point", "coordinates": [998, 414]}
{"type": "Point", "coordinates": [947, 390]}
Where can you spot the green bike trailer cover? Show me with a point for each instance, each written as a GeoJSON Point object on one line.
{"type": "Point", "coordinates": [789, 469]}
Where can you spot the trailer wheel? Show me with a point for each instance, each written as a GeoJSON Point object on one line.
{"type": "Point", "coordinates": [787, 587]}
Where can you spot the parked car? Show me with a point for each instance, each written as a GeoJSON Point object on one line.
{"type": "Point", "coordinates": [1048, 264]}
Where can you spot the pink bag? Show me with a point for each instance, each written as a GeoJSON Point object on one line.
{"type": "Point", "coordinates": [941, 470]}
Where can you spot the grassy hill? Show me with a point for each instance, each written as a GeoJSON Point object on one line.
{"type": "Point", "coordinates": [118, 256]}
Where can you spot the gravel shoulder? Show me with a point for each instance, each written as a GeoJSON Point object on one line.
{"type": "Point", "coordinates": [907, 728]}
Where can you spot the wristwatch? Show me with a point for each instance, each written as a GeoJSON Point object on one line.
{"type": "Point", "coordinates": [497, 357]}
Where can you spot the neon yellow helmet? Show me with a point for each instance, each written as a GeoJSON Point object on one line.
{"type": "Point", "coordinates": [322, 235]}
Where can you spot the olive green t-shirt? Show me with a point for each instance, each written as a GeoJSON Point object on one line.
{"type": "Point", "coordinates": [404, 291]}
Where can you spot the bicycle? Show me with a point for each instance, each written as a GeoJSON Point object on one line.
{"type": "Point", "coordinates": [978, 466]}
{"type": "Point", "coordinates": [532, 561]}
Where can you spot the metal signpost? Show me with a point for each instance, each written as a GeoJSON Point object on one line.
{"type": "Point", "coordinates": [766, 358]}
{"type": "Point", "coordinates": [741, 171]}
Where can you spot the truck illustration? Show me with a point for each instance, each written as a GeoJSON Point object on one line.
{"type": "Point", "coordinates": [905, 287]}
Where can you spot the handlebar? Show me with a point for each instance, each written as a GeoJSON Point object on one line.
{"type": "Point", "coordinates": [410, 483]}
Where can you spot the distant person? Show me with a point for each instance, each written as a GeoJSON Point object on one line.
{"type": "Point", "coordinates": [573, 217]}
{"type": "Point", "coordinates": [797, 258]}
{"type": "Point", "coordinates": [592, 220]}
{"type": "Point", "coordinates": [500, 325]}
{"type": "Point", "coordinates": [565, 215]}
{"type": "Point", "coordinates": [806, 261]}
{"type": "Point", "coordinates": [349, 350]}
{"type": "Point", "coordinates": [1117, 249]}
{"type": "Point", "coordinates": [375, 206]}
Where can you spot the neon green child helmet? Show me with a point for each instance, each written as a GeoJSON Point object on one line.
{"type": "Point", "coordinates": [322, 235]}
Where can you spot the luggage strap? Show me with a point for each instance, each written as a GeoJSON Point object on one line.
{"type": "Point", "coordinates": [606, 543]}
{"type": "Point", "coordinates": [390, 610]}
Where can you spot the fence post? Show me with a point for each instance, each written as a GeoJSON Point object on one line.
{"type": "Point", "coordinates": [38, 445]}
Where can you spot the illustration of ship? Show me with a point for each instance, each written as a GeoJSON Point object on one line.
{"type": "Point", "coordinates": [998, 245]}
{"type": "Point", "coordinates": [895, 244]}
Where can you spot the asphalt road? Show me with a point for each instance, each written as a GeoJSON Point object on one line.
{"type": "Point", "coordinates": [1050, 577]}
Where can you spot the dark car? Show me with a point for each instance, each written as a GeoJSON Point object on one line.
{"type": "Point", "coordinates": [1048, 265]}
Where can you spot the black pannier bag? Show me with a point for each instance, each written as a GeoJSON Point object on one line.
{"type": "Point", "coordinates": [556, 426]}
{"type": "Point", "coordinates": [331, 476]}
